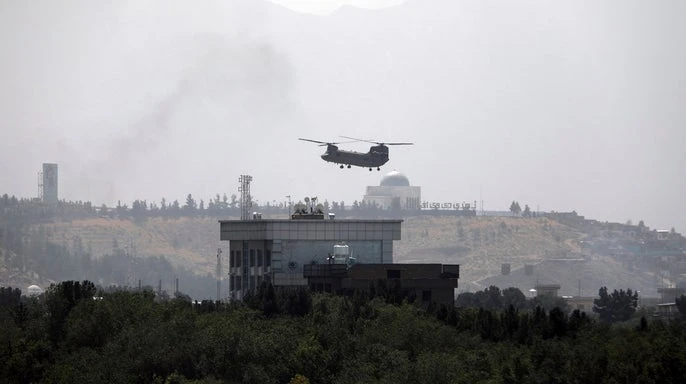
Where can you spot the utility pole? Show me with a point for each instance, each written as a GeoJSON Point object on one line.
{"type": "Point", "coordinates": [219, 273]}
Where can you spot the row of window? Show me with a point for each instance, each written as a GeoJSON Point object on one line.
{"type": "Point", "coordinates": [236, 283]}
{"type": "Point", "coordinates": [256, 258]}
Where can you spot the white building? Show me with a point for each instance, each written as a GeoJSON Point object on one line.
{"type": "Point", "coordinates": [394, 191]}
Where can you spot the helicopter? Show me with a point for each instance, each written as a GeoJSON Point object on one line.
{"type": "Point", "coordinates": [375, 158]}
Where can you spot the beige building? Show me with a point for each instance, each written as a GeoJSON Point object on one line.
{"type": "Point", "coordinates": [394, 191]}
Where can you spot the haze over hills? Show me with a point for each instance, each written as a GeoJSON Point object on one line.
{"type": "Point", "coordinates": [146, 245]}
{"type": "Point", "coordinates": [565, 106]}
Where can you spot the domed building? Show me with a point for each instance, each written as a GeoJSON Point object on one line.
{"type": "Point", "coordinates": [394, 191]}
{"type": "Point", "coordinates": [34, 290]}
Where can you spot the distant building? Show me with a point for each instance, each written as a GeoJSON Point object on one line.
{"type": "Point", "coordinates": [547, 289]}
{"type": "Point", "coordinates": [394, 191]}
{"type": "Point", "coordinates": [669, 295]}
{"type": "Point", "coordinates": [34, 290]}
{"type": "Point", "coordinates": [582, 303]}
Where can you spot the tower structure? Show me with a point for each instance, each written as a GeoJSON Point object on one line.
{"type": "Point", "coordinates": [48, 187]}
{"type": "Point", "coordinates": [246, 199]}
{"type": "Point", "coordinates": [246, 203]}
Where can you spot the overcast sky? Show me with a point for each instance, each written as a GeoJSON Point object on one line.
{"type": "Point", "coordinates": [564, 106]}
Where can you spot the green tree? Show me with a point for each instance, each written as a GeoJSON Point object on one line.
{"type": "Point", "coordinates": [681, 305]}
{"type": "Point", "coordinates": [515, 208]}
{"type": "Point", "coordinates": [61, 299]}
{"type": "Point", "coordinates": [617, 306]}
{"type": "Point", "coordinates": [514, 297]}
{"type": "Point", "coordinates": [191, 205]}
{"type": "Point", "coordinates": [527, 211]}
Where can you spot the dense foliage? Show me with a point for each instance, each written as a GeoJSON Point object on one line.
{"type": "Point", "coordinates": [75, 334]}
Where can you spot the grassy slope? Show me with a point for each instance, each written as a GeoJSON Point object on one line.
{"type": "Point", "coordinates": [193, 241]}
{"type": "Point", "coordinates": [487, 242]}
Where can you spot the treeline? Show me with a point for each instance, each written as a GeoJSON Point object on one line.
{"type": "Point", "coordinates": [76, 333]}
{"type": "Point", "coordinates": [32, 211]}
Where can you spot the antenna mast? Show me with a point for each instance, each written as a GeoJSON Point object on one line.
{"type": "Point", "coordinates": [246, 199]}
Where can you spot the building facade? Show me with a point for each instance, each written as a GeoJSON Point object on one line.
{"type": "Point", "coordinates": [422, 283]}
{"type": "Point", "coordinates": [276, 250]}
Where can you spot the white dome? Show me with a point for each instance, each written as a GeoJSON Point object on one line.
{"type": "Point", "coordinates": [395, 179]}
{"type": "Point", "coordinates": [34, 290]}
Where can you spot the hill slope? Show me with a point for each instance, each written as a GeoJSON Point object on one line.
{"type": "Point", "coordinates": [481, 245]}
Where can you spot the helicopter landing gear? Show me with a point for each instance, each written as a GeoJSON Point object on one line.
{"type": "Point", "coordinates": [348, 166]}
{"type": "Point", "coordinates": [370, 169]}
{"type": "Point", "coordinates": [378, 168]}
{"type": "Point", "coordinates": [341, 166]}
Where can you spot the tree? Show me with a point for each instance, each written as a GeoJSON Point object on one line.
{"type": "Point", "coordinates": [515, 297]}
{"type": "Point", "coordinates": [191, 205]}
{"type": "Point", "coordinates": [62, 298]}
{"type": "Point", "coordinates": [527, 211]}
{"type": "Point", "coordinates": [681, 305]}
{"type": "Point", "coordinates": [617, 306]}
{"type": "Point", "coordinates": [642, 226]}
{"type": "Point", "coordinates": [515, 208]}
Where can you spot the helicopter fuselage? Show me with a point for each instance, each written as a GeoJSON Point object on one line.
{"type": "Point", "coordinates": [376, 157]}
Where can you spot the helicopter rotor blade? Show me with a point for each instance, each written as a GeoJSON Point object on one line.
{"type": "Point", "coordinates": [366, 141]}
{"type": "Point", "coordinates": [323, 143]}
{"type": "Point", "coordinates": [376, 142]}
{"type": "Point", "coordinates": [314, 141]}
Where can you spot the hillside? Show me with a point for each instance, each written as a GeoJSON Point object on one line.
{"type": "Point", "coordinates": [480, 245]}
{"type": "Point", "coordinates": [189, 242]}
{"type": "Point", "coordinates": [558, 248]}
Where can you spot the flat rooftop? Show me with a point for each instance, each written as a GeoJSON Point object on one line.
{"type": "Point", "coordinates": [310, 229]}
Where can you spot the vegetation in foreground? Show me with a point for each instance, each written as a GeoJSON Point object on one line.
{"type": "Point", "coordinates": [76, 333]}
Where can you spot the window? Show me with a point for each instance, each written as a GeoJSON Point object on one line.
{"type": "Point", "coordinates": [392, 273]}
{"type": "Point", "coordinates": [252, 257]}
{"type": "Point", "coordinates": [238, 259]}
{"type": "Point", "coordinates": [232, 261]}
{"type": "Point", "coordinates": [259, 257]}
{"type": "Point", "coordinates": [267, 258]}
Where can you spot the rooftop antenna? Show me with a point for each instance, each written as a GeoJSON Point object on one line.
{"type": "Point", "coordinates": [246, 199]}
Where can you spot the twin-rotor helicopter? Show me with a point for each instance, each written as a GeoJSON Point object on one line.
{"type": "Point", "coordinates": [375, 158]}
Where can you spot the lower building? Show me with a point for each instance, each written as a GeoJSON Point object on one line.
{"type": "Point", "coordinates": [423, 283]}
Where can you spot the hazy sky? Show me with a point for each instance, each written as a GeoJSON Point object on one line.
{"type": "Point", "coordinates": [326, 7]}
{"type": "Point", "coordinates": [564, 106]}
